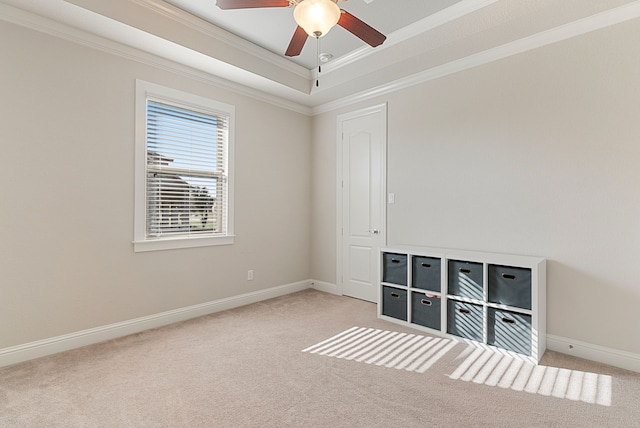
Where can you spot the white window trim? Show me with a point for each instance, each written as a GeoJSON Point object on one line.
{"type": "Point", "coordinates": [145, 90]}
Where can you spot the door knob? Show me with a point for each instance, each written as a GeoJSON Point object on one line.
{"type": "Point", "coordinates": [375, 231]}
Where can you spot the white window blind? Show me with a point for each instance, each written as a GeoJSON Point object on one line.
{"type": "Point", "coordinates": [186, 171]}
{"type": "Point", "coordinates": [183, 170]}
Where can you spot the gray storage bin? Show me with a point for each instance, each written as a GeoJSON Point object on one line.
{"type": "Point", "coordinates": [510, 286]}
{"type": "Point", "coordinates": [394, 303]}
{"type": "Point", "coordinates": [394, 268]}
{"type": "Point", "coordinates": [465, 279]}
{"type": "Point", "coordinates": [509, 330]}
{"type": "Point", "coordinates": [425, 273]}
{"type": "Point", "coordinates": [465, 319]}
{"type": "Point", "coordinates": [425, 310]}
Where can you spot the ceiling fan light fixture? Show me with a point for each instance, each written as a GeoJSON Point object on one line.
{"type": "Point", "coordinates": [316, 17]}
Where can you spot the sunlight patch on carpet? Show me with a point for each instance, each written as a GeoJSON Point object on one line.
{"type": "Point", "coordinates": [492, 368]}
{"type": "Point", "coordinates": [391, 349]}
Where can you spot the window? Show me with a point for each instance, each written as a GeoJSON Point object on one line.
{"type": "Point", "coordinates": [184, 181]}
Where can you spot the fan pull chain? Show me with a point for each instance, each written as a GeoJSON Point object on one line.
{"type": "Point", "coordinates": [318, 61]}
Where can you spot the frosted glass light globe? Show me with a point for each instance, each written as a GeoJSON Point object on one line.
{"type": "Point", "coordinates": [316, 17]}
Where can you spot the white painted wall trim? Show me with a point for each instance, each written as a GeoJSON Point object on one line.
{"type": "Point", "coordinates": [41, 348]}
{"type": "Point", "coordinates": [187, 19]}
{"type": "Point", "coordinates": [186, 62]}
{"type": "Point", "coordinates": [435, 20]}
{"type": "Point", "coordinates": [563, 32]}
{"type": "Point", "coordinates": [206, 69]}
{"type": "Point", "coordinates": [601, 354]}
{"type": "Point", "coordinates": [325, 287]}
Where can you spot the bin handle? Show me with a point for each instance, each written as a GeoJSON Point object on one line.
{"type": "Point", "coordinates": [426, 265]}
{"type": "Point", "coordinates": [465, 270]}
{"type": "Point", "coordinates": [426, 302]}
{"type": "Point", "coordinates": [395, 261]}
{"type": "Point", "coordinates": [396, 295]}
{"type": "Point", "coordinates": [508, 276]}
{"type": "Point", "coordinates": [508, 320]}
{"type": "Point", "coordinates": [464, 311]}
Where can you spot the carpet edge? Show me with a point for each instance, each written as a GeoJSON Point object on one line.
{"type": "Point", "coordinates": [53, 345]}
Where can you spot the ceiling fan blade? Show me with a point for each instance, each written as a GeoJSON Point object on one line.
{"type": "Point", "coordinates": [247, 4]}
{"type": "Point", "coordinates": [360, 29]}
{"type": "Point", "coordinates": [297, 42]}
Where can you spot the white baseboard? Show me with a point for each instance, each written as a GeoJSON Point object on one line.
{"type": "Point", "coordinates": [326, 287]}
{"type": "Point", "coordinates": [54, 345]}
{"type": "Point", "coordinates": [601, 354]}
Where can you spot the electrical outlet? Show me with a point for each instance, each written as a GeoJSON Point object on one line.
{"type": "Point", "coordinates": [250, 275]}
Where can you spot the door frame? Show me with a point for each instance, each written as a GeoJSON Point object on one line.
{"type": "Point", "coordinates": [339, 178]}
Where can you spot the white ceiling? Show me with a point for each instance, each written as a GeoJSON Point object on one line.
{"type": "Point", "coordinates": [242, 49]}
{"type": "Point", "coordinates": [272, 28]}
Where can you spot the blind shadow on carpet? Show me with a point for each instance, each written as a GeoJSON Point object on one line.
{"type": "Point", "coordinates": [418, 353]}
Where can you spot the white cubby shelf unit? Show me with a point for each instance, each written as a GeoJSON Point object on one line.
{"type": "Point", "coordinates": [497, 300]}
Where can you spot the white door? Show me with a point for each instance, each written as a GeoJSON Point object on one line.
{"type": "Point", "coordinates": [363, 138]}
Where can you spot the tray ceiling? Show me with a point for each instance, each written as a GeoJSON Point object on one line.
{"type": "Point", "coordinates": [243, 49]}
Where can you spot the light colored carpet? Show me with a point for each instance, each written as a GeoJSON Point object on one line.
{"type": "Point", "coordinates": [290, 362]}
{"type": "Point", "coordinates": [392, 349]}
{"type": "Point", "coordinates": [414, 352]}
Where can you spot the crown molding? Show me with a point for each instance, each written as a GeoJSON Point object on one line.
{"type": "Point", "coordinates": [66, 32]}
{"type": "Point", "coordinates": [440, 18]}
{"type": "Point", "coordinates": [583, 26]}
{"type": "Point", "coordinates": [195, 65]}
{"type": "Point", "coordinates": [220, 34]}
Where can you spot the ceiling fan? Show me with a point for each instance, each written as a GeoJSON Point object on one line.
{"type": "Point", "coordinates": [314, 18]}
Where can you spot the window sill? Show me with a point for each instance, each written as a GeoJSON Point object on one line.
{"type": "Point", "coordinates": [177, 243]}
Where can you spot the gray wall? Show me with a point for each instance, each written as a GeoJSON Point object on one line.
{"type": "Point", "coordinates": [66, 223]}
{"type": "Point", "coordinates": [536, 154]}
